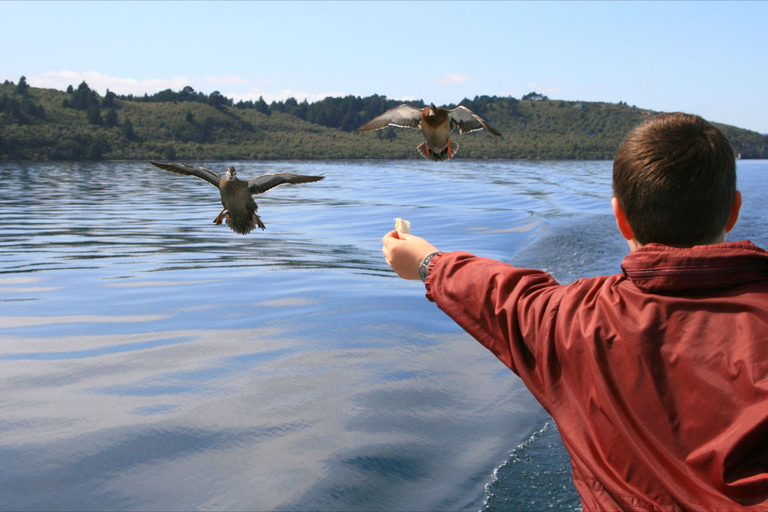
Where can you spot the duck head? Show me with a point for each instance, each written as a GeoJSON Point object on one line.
{"type": "Point", "coordinates": [431, 110]}
{"type": "Point", "coordinates": [231, 173]}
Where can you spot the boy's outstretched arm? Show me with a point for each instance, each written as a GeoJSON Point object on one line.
{"type": "Point", "coordinates": [404, 253]}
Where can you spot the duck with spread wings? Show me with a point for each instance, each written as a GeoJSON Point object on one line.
{"type": "Point", "coordinates": [236, 194]}
{"type": "Point", "coordinates": [436, 124]}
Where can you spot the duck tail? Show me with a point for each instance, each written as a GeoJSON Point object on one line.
{"type": "Point", "coordinates": [245, 226]}
{"type": "Point", "coordinates": [427, 153]}
{"type": "Point", "coordinates": [438, 157]}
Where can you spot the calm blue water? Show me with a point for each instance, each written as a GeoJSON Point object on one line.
{"type": "Point", "coordinates": [150, 360]}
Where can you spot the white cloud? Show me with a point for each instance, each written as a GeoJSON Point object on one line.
{"type": "Point", "coordinates": [60, 80]}
{"type": "Point", "coordinates": [406, 98]}
{"type": "Point", "coordinates": [100, 83]}
{"type": "Point", "coordinates": [283, 95]}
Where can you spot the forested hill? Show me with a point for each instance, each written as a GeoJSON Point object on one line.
{"type": "Point", "coordinates": [79, 124]}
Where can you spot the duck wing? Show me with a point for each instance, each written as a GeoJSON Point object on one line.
{"type": "Point", "coordinates": [467, 121]}
{"type": "Point", "coordinates": [270, 180]}
{"type": "Point", "coordinates": [403, 116]}
{"type": "Point", "coordinates": [198, 172]}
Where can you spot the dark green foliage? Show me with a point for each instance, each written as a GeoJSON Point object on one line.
{"type": "Point", "coordinates": [94, 116]}
{"type": "Point", "coordinates": [191, 130]}
{"type": "Point", "coordinates": [110, 119]}
{"type": "Point", "coordinates": [97, 148]}
{"type": "Point", "coordinates": [216, 99]}
{"type": "Point", "coordinates": [22, 87]}
{"type": "Point", "coordinates": [292, 107]}
{"type": "Point", "coordinates": [389, 133]}
{"type": "Point", "coordinates": [82, 98]}
{"type": "Point", "coordinates": [20, 108]}
{"type": "Point", "coordinates": [128, 133]}
{"type": "Point", "coordinates": [169, 153]}
{"type": "Point", "coordinates": [261, 106]}
{"type": "Point", "coordinates": [188, 125]}
{"type": "Point", "coordinates": [347, 113]}
{"type": "Point", "coordinates": [109, 100]}
{"type": "Point", "coordinates": [186, 94]}
{"type": "Point", "coordinates": [534, 96]}
{"type": "Point", "coordinates": [746, 144]}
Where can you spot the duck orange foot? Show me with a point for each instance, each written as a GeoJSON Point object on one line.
{"type": "Point", "coordinates": [220, 217]}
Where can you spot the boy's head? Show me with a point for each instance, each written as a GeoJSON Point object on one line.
{"type": "Point", "coordinates": [674, 177]}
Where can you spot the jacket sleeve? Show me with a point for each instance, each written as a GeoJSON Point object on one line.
{"type": "Point", "coordinates": [509, 310]}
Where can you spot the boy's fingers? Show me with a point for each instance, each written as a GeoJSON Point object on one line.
{"type": "Point", "coordinates": [394, 234]}
{"type": "Point", "coordinates": [386, 239]}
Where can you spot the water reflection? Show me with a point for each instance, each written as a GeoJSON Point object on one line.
{"type": "Point", "coordinates": [153, 360]}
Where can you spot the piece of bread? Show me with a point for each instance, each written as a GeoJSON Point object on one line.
{"type": "Point", "coordinates": [402, 226]}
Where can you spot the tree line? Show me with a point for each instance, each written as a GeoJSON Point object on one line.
{"type": "Point", "coordinates": [80, 124]}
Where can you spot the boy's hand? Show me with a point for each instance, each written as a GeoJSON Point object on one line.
{"type": "Point", "coordinates": [404, 253]}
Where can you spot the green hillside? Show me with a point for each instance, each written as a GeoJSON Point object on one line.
{"type": "Point", "coordinates": [46, 124]}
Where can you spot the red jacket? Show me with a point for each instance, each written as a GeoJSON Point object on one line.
{"type": "Point", "coordinates": [656, 377]}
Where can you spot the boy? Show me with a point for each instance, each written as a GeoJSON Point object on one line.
{"type": "Point", "coordinates": [657, 377]}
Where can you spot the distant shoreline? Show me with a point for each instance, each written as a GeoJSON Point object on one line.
{"type": "Point", "coordinates": [46, 125]}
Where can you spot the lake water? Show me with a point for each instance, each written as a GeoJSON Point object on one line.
{"type": "Point", "coordinates": [150, 360]}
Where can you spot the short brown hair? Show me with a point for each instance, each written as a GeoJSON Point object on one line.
{"type": "Point", "coordinates": [675, 178]}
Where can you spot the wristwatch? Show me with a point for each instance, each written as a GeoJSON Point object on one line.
{"type": "Point", "coordinates": [424, 265]}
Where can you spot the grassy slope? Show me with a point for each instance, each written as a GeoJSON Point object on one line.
{"type": "Point", "coordinates": [546, 129]}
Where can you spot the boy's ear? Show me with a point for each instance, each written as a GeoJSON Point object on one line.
{"type": "Point", "coordinates": [734, 212]}
{"type": "Point", "coordinates": [621, 220]}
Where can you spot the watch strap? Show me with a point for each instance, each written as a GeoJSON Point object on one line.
{"type": "Point", "coordinates": [424, 265]}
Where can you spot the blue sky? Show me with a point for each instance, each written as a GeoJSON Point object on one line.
{"type": "Point", "coordinates": [708, 58]}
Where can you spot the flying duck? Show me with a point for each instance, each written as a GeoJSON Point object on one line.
{"type": "Point", "coordinates": [436, 125]}
{"type": "Point", "coordinates": [236, 194]}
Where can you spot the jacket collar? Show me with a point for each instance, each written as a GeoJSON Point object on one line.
{"type": "Point", "coordinates": [657, 268]}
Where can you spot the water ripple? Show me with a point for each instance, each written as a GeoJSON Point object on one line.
{"type": "Point", "coordinates": [152, 360]}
